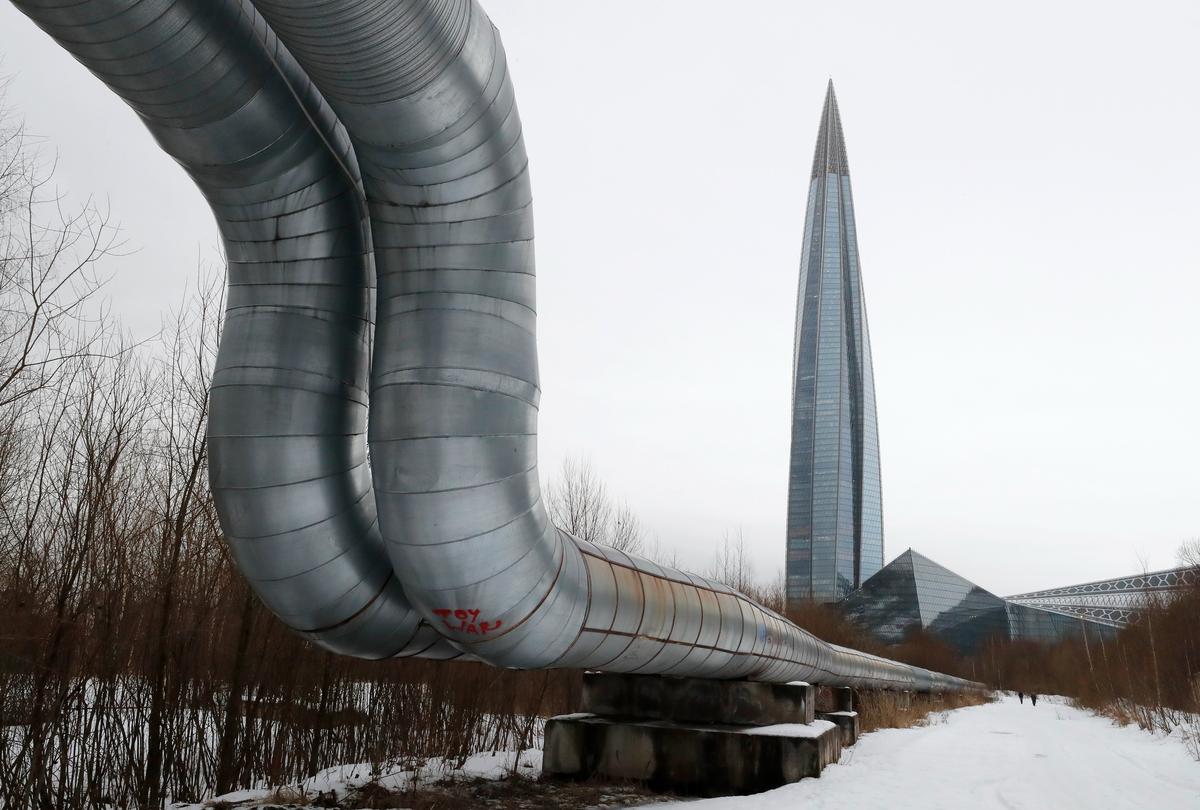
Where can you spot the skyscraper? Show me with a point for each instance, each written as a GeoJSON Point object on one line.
{"type": "Point", "coordinates": [835, 516]}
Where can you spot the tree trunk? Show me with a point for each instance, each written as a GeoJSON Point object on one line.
{"type": "Point", "coordinates": [226, 764]}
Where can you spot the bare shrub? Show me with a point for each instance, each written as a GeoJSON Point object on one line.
{"type": "Point", "coordinates": [731, 565]}
{"type": "Point", "coordinates": [1147, 673]}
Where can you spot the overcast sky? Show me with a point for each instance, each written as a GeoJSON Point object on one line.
{"type": "Point", "coordinates": [1026, 186]}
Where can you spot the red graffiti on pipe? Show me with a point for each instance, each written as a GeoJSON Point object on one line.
{"type": "Point", "coordinates": [462, 620]}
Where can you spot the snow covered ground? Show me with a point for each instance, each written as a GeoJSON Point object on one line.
{"type": "Point", "coordinates": [341, 780]}
{"type": "Point", "coordinates": [1002, 755]}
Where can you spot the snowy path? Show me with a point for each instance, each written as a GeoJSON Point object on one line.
{"type": "Point", "coordinates": [1002, 755]}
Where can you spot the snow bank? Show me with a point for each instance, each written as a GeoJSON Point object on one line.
{"type": "Point", "coordinates": [345, 778]}
{"type": "Point", "coordinates": [814, 729]}
{"type": "Point", "coordinates": [1000, 756]}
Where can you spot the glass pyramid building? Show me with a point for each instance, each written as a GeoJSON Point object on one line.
{"type": "Point", "coordinates": [834, 513]}
{"type": "Point", "coordinates": [912, 591]}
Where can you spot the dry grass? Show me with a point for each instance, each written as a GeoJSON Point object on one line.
{"type": "Point", "coordinates": [879, 709]}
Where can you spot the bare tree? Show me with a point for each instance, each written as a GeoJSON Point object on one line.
{"type": "Point", "coordinates": [731, 565]}
{"type": "Point", "coordinates": [656, 552]}
{"type": "Point", "coordinates": [774, 593]}
{"type": "Point", "coordinates": [579, 503]}
{"type": "Point", "coordinates": [625, 533]}
{"type": "Point", "coordinates": [1189, 553]}
{"type": "Point", "coordinates": [183, 505]}
{"type": "Point", "coordinates": [49, 279]}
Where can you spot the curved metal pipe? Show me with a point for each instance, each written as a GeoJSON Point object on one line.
{"type": "Point", "coordinates": [430, 108]}
{"type": "Point", "coordinates": [287, 455]}
{"type": "Point", "coordinates": [423, 90]}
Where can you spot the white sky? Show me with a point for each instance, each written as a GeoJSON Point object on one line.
{"type": "Point", "coordinates": [1026, 191]}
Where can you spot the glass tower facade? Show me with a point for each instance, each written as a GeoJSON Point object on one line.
{"type": "Point", "coordinates": [834, 513]}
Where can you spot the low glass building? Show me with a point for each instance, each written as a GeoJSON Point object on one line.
{"type": "Point", "coordinates": [913, 591]}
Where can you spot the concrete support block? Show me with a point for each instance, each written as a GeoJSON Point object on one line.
{"type": "Point", "coordinates": [703, 760]}
{"type": "Point", "coordinates": [846, 721]}
{"type": "Point", "coordinates": [843, 699]}
{"type": "Point", "coordinates": [904, 700]}
{"type": "Point", "coordinates": [695, 700]}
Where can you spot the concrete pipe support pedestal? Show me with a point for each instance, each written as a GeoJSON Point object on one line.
{"type": "Point", "coordinates": [692, 736]}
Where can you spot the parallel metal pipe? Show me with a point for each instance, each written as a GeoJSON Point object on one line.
{"type": "Point", "coordinates": [287, 449]}
{"type": "Point", "coordinates": [422, 101]}
{"type": "Point", "coordinates": [430, 108]}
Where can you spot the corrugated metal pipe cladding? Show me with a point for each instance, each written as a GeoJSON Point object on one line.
{"type": "Point", "coordinates": [347, 145]}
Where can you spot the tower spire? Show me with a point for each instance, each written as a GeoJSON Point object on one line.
{"type": "Point", "coordinates": [835, 511]}
{"type": "Point", "coordinates": [830, 157]}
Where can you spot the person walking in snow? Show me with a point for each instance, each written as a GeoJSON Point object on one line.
{"type": "Point", "coordinates": [1033, 698]}
{"type": "Point", "coordinates": [1021, 696]}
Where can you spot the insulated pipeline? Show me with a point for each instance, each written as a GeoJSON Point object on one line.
{"type": "Point", "coordinates": [286, 434]}
{"type": "Point", "coordinates": [430, 108]}
{"type": "Point", "coordinates": [406, 107]}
